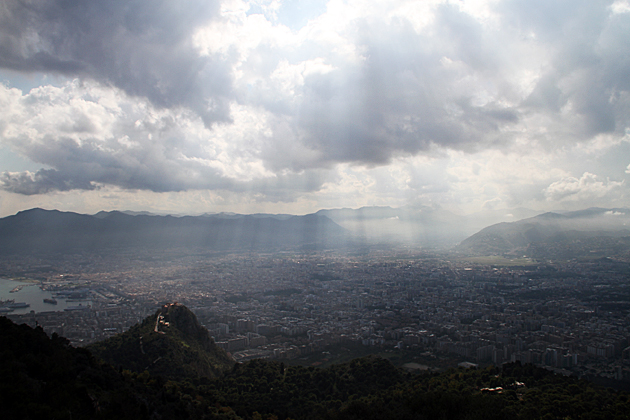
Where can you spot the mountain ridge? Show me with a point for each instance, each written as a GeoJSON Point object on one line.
{"type": "Point", "coordinates": [52, 231]}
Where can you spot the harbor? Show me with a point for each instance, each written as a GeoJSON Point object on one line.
{"type": "Point", "coordinates": [18, 297]}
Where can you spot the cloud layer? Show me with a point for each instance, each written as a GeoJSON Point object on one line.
{"type": "Point", "coordinates": [279, 102]}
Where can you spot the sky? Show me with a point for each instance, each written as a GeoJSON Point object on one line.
{"type": "Point", "coordinates": [193, 106]}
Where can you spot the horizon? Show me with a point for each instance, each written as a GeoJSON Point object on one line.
{"type": "Point", "coordinates": [134, 212]}
{"type": "Point", "coordinates": [280, 214]}
{"type": "Point", "coordinates": [506, 212]}
{"type": "Point", "coordinates": [522, 233]}
{"type": "Point", "coordinates": [278, 107]}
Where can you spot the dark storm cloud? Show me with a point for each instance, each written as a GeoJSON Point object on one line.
{"type": "Point", "coordinates": [87, 166]}
{"type": "Point", "coordinates": [281, 188]}
{"type": "Point", "coordinates": [155, 166]}
{"type": "Point", "coordinates": [143, 47]}
{"type": "Point", "coordinates": [41, 182]}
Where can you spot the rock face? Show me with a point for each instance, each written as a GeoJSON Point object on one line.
{"type": "Point", "coordinates": [170, 343]}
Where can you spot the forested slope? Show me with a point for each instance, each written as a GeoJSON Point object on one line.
{"type": "Point", "coordinates": [45, 378]}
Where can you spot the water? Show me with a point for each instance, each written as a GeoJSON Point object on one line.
{"type": "Point", "coordinates": [33, 295]}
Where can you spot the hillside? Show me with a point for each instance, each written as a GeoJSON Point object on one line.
{"type": "Point", "coordinates": [45, 378]}
{"type": "Point", "coordinates": [170, 343]}
{"type": "Point", "coordinates": [593, 232]}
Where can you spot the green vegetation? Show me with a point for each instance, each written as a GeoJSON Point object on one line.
{"type": "Point", "coordinates": [180, 348]}
{"type": "Point", "coordinates": [45, 378]}
{"type": "Point", "coordinates": [343, 353]}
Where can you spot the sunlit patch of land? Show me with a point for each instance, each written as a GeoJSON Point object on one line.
{"type": "Point", "coordinates": [500, 261]}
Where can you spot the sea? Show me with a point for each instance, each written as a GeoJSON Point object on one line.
{"type": "Point", "coordinates": [31, 293]}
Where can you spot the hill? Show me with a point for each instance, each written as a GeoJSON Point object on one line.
{"type": "Point", "coordinates": [170, 343]}
{"type": "Point", "coordinates": [44, 378]}
{"type": "Point", "coordinates": [52, 231]}
{"type": "Point", "coordinates": [593, 232]}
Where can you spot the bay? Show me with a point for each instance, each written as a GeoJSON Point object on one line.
{"type": "Point", "coordinates": [32, 294]}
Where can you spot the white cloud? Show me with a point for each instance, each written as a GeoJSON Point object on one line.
{"type": "Point", "coordinates": [585, 188]}
{"type": "Point", "coordinates": [620, 6]}
{"type": "Point", "coordinates": [90, 134]}
{"type": "Point", "coordinates": [614, 213]}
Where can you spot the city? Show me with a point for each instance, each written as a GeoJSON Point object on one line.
{"type": "Point", "coordinates": [571, 317]}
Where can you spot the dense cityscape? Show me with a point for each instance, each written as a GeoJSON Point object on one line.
{"type": "Point", "coordinates": [571, 317]}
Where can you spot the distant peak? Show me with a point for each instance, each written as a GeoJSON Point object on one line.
{"type": "Point", "coordinates": [549, 215]}
{"type": "Point", "coordinates": [36, 210]}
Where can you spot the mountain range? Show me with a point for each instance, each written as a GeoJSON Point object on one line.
{"type": "Point", "coordinates": [535, 235]}
{"type": "Point", "coordinates": [52, 231]}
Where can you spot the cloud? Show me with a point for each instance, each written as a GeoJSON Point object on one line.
{"type": "Point", "coordinates": [585, 188]}
{"type": "Point", "coordinates": [143, 48]}
{"type": "Point", "coordinates": [586, 67]}
{"type": "Point", "coordinates": [40, 182]}
{"type": "Point", "coordinates": [88, 136]}
{"type": "Point", "coordinates": [399, 98]}
{"type": "Point", "coordinates": [264, 96]}
{"type": "Point", "coordinates": [493, 204]}
{"type": "Point", "coordinates": [394, 87]}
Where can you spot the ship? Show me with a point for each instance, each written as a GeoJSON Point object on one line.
{"type": "Point", "coordinates": [52, 301]}
{"type": "Point", "coordinates": [18, 305]}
